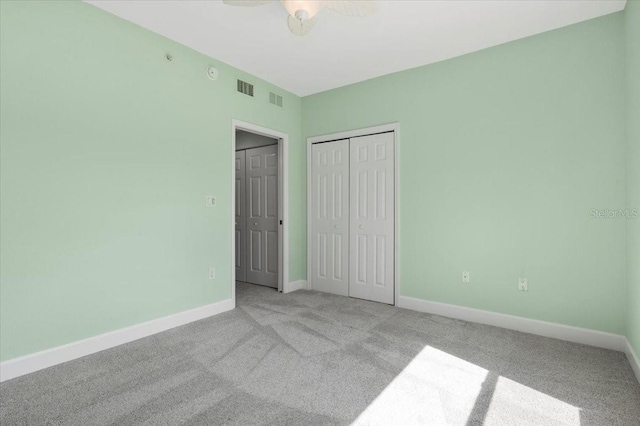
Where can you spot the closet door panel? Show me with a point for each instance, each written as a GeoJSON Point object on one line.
{"type": "Point", "coordinates": [262, 215]}
{"type": "Point", "coordinates": [371, 255]}
{"type": "Point", "coordinates": [330, 217]}
{"type": "Point", "coordinates": [241, 216]}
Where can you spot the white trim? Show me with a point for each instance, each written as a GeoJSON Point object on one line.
{"type": "Point", "coordinates": [296, 285]}
{"type": "Point", "coordinates": [396, 214]}
{"type": "Point", "coordinates": [633, 359]}
{"type": "Point", "coordinates": [390, 127]}
{"type": "Point", "coordinates": [309, 191]}
{"type": "Point", "coordinates": [30, 363]}
{"type": "Point", "coordinates": [283, 205]}
{"type": "Point", "coordinates": [584, 336]}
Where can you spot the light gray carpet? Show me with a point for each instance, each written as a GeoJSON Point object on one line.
{"type": "Point", "coordinates": [311, 358]}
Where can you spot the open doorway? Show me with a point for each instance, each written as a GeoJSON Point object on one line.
{"type": "Point", "coordinates": [260, 206]}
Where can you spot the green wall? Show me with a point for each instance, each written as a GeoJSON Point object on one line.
{"type": "Point", "coordinates": [107, 153]}
{"type": "Point", "coordinates": [632, 29]}
{"type": "Point", "coordinates": [503, 154]}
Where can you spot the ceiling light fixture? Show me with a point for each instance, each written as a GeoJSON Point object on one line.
{"type": "Point", "coordinates": [302, 9]}
{"type": "Point", "coordinates": [302, 13]}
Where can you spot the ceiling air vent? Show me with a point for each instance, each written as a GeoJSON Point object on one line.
{"type": "Point", "coordinates": [275, 99]}
{"type": "Point", "coordinates": [246, 88]}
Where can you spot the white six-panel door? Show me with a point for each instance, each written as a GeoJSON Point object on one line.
{"type": "Point", "coordinates": [371, 245]}
{"type": "Point", "coordinates": [262, 215]}
{"type": "Point", "coordinates": [330, 220]}
{"type": "Point", "coordinates": [241, 217]}
{"type": "Point", "coordinates": [352, 244]}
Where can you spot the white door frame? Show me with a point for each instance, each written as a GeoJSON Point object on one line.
{"type": "Point", "coordinates": [283, 200]}
{"type": "Point", "coordinates": [391, 127]}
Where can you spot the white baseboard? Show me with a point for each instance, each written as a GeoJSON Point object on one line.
{"type": "Point", "coordinates": [584, 336]}
{"type": "Point", "coordinates": [633, 359]}
{"type": "Point", "coordinates": [295, 285]}
{"type": "Point", "coordinates": [29, 363]}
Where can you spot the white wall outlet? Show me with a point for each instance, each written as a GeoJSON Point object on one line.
{"type": "Point", "coordinates": [466, 277]}
{"type": "Point", "coordinates": [212, 273]}
{"type": "Point", "coordinates": [523, 284]}
{"type": "Point", "coordinates": [209, 201]}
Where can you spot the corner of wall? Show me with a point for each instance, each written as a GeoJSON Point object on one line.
{"type": "Point", "coordinates": [632, 92]}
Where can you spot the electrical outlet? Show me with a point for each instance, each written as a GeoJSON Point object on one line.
{"type": "Point", "coordinates": [466, 277]}
{"type": "Point", "coordinates": [212, 273]}
{"type": "Point", "coordinates": [209, 201]}
{"type": "Point", "coordinates": [523, 284]}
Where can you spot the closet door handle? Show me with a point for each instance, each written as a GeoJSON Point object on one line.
{"type": "Point", "coordinates": [361, 226]}
{"type": "Point", "coordinates": [255, 223]}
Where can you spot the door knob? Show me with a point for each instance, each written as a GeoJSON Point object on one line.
{"type": "Point", "coordinates": [255, 223]}
{"type": "Point", "coordinates": [361, 226]}
{"type": "Point", "coordinates": [337, 227]}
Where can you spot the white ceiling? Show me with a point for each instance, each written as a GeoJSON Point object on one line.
{"type": "Point", "coordinates": [342, 50]}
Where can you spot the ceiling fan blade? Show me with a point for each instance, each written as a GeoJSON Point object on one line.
{"type": "Point", "coordinates": [360, 8]}
{"type": "Point", "coordinates": [301, 28]}
{"type": "Point", "coordinates": [245, 2]}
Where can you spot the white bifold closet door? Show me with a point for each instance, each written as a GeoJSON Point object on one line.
{"type": "Point", "coordinates": [352, 217]}
{"type": "Point", "coordinates": [330, 217]}
{"type": "Point", "coordinates": [371, 243]}
{"type": "Point", "coordinates": [241, 217]}
{"type": "Point", "coordinates": [262, 215]}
